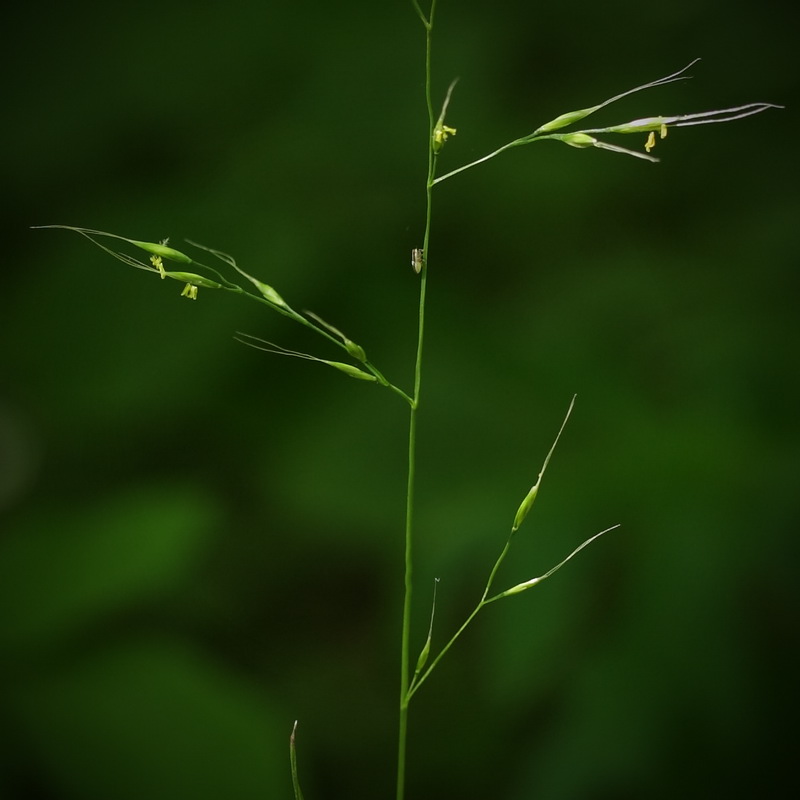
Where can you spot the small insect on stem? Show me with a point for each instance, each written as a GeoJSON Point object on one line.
{"type": "Point", "coordinates": [417, 260]}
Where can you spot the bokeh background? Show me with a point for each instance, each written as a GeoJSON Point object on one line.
{"type": "Point", "coordinates": [201, 543]}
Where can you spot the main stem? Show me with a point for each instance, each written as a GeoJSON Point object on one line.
{"type": "Point", "coordinates": [406, 635]}
{"type": "Point", "coordinates": [412, 432]}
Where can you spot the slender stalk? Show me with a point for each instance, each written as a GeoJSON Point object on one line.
{"type": "Point", "coordinates": [515, 143]}
{"type": "Point", "coordinates": [412, 427]}
{"type": "Point", "coordinates": [485, 600]}
{"type": "Point", "coordinates": [481, 603]}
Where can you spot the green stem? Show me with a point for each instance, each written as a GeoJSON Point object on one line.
{"type": "Point", "coordinates": [292, 314]}
{"type": "Point", "coordinates": [482, 602]}
{"type": "Point", "coordinates": [412, 427]}
{"type": "Point", "coordinates": [515, 143]}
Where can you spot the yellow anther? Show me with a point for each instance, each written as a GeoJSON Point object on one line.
{"type": "Point", "coordinates": [663, 131]}
{"type": "Point", "coordinates": [190, 291]}
{"type": "Point", "coordinates": [651, 142]}
{"type": "Point", "coordinates": [157, 263]}
{"type": "Point", "coordinates": [440, 134]}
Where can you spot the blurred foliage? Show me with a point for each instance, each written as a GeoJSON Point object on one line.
{"type": "Point", "coordinates": [201, 543]}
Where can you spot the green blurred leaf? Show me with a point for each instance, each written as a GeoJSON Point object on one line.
{"type": "Point", "coordinates": [65, 567]}
{"type": "Point", "coordinates": [150, 719]}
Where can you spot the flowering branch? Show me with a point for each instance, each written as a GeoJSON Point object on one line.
{"type": "Point", "coordinates": [584, 138]}
{"type": "Point", "coordinates": [160, 252]}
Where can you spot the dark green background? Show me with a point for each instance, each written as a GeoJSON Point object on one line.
{"type": "Point", "coordinates": [201, 543]}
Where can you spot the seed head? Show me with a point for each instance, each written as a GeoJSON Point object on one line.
{"type": "Point", "coordinates": [649, 125]}
{"type": "Point", "coordinates": [162, 251]}
{"type": "Point", "coordinates": [355, 350]}
{"type": "Point", "coordinates": [194, 279]}
{"type": "Point", "coordinates": [349, 369]}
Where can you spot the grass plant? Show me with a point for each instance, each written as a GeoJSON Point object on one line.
{"type": "Point", "coordinates": [198, 277]}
